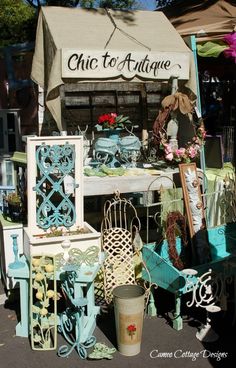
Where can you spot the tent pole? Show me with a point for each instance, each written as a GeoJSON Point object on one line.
{"type": "Point", "coordinates": [194, 49]}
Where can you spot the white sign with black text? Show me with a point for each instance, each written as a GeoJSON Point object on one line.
{"type": "Point", "coordinates": [92, 64]}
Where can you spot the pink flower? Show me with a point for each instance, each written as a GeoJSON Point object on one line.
{"type": "Point", "coordinates": [231, 40]}
{"type": "Point", "coordinates": [168, 148]}
{"type": "Point", "coordinates": [184, 154]}
{"type": "Point", "coordinates": [170, 156]}
{"type": "Point", "coordinates": [192, 152]}
{"type": "Point", "coordinates": [180, 152]}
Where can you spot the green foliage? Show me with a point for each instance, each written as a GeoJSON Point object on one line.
{"type": "Point", "coordinates": [66, 3]}
{"type": "Point", "coordinates": [14, 199]}
{"type": "Point", "coordinates": [88, 4]}
{"type": "Point", "coordinates": [121, 121]}
{"type": "Point", "coordinates": [18, 18]}
{"type": "Point", "coordinates": [103, 170]}
{"type": "Point", "coordinates": [17, 22]}
{"type": "Point", "coordinates": [163, 3]}
{"type": "Point", "coordinates": [115, 4]}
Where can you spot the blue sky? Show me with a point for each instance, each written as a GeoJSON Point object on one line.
{"type": "Point", "coordinates": [148, 4]}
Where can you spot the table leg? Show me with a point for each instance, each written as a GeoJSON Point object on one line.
{"type": "Point", "coordinates": [151, 309]}
{"type": "Point", "coordinates": [178, 321]}
{"type": "Point", "coordinates": [22, 328]}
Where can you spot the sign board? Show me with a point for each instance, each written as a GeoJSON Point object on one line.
{"type": "Point", "coordinates": [106, 64]}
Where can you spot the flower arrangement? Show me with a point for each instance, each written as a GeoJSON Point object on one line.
{"type": "Point", "coordinates": [184, 154]}
{"type": "Point", "coordinates": [112, 121]}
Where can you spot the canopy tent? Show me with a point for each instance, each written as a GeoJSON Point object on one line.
{"type": "Point", "coordinates": [93, 45]}
{"type": "Point", "coordinates": [213, 23]}
{"type": "Point", "coordinates": [203, 18]}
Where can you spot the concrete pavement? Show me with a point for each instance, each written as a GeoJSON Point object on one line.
{"type": "Point", "coordinates": [161, 345]}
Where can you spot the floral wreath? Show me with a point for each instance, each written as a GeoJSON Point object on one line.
{"type": "Point", "coordinates": [183, 154]}
{"type": "Point", "coordinates": [184, 104]}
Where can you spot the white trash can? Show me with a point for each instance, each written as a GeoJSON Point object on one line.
{"type": "Point", "coordinates": [129, 301]}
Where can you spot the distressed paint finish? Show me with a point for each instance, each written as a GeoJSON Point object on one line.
{"type": "Point", "coordinates": [54, 164]}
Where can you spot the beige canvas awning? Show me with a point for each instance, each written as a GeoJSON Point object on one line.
{"type": "Point", "coordinates": [205, 21]}
{"type": "Point", "coordinates": [152, 44]}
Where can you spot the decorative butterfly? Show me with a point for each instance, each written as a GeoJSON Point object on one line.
{"type": "Point", "coordinates": [89, 256]}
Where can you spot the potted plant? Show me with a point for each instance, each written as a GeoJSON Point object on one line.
{"type": "Point", "coordinates": [112, 121]}
{"type": "Point", "coordinates": [112, 124]}
{"type": "Point", "coordinates": [14, 207]}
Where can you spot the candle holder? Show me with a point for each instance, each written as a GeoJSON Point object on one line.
{"type": "Point", "coordinates": [17, 263]}
{"type": "Point", "coordinates": [86, 142]}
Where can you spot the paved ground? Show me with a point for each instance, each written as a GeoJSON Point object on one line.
{"type": "Point", "coordinates": [161, 345]}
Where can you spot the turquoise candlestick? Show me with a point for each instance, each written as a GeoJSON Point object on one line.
{"type": "Point", "coordinates": [17, 263]}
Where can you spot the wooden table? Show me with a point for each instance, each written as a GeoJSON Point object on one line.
{"type": "Point", "coordinates": [94, 186]}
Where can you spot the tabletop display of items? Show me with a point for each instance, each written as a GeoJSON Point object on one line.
{"type": "Point", "coordinates": [115, 150]}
